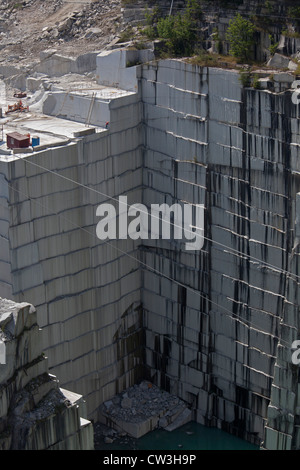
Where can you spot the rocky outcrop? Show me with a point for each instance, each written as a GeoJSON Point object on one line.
{"type": "Point", "coordinates": [35, 414]}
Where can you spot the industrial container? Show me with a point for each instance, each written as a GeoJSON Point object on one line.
{"type": "Point", "coordinates": [15, 140]}
{"type": "Point", "coordinates": [35, 141]}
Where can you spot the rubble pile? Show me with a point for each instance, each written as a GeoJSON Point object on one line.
{"type": "Point", "coordinates": [84, 23]}
{"type": "Point", "coordinates": [28, 27]}
{"type": "Point", "coordinates": [142, 408]}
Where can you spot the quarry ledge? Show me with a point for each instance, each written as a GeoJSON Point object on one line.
{"type": "Point", "coordinates": [51, 132]}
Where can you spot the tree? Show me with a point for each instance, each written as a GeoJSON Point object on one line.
{"type": "Point", "coordinates": [180, 30]}
{"type": "Point", "coordinates": [240, 35]}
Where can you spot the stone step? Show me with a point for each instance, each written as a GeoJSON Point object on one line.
{"type": "Point", "coordinates": [183, 418]}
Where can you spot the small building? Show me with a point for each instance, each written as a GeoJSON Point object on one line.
{"type": "Point", "coordinates": [15, 140]}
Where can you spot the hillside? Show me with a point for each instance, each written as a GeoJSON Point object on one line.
{"type": "Point", "coordinates": [28, 27]}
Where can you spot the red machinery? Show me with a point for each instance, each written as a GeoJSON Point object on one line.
{"type": "Point", "coordinates": [17, 107]}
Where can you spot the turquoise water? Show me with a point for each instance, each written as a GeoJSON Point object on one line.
{"type": "Point", "coordinates": [191, 436]}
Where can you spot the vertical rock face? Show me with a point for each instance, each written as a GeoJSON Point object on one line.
{"type": "Point", "coordinates": [35, 414]}
{"type": "Point", "coordinates": [213, 336]}
{"type": "Point", "coordinates": [86, 291]}
{"type": "Point", "coordinates": [282, 428]}
{"type": "Point", "coordinates": [213, 326]}
{"type": "Point", "coordinates": [268, 17]}
{"type": "Point", "coordinates": [5, 265]}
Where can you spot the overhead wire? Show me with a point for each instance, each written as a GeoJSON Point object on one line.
{"type": "Point", "coordinates": [156, 271]}
{"type": "Point", "coordinates": [106, 196]}
{"type": "Point", "coordinates": [231, 249]}
{"type": "Point", "coordinates": [145, 265]}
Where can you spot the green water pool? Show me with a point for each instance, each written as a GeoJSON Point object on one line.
{"type": "Point", "coordinates": [191, 436]}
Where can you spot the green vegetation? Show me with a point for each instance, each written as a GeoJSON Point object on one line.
{"type": "Point", "coordinates": [248, 79]}
{"type": "Point", "coordinates": [179, 31]}
{"type": "Point", "coordinates": [273, 46]}
{"type": "Point", "coordinates": [240, 35]}
{"type": "Point", "coordinates": [139, 45]}
{"type": "Point", "coordinates": [204, 59]}
{"type": "Point", "coordinates": [151, 20]}
{"type": "Point", "coordinates": [16, 6]}
{"type": "Point", "coordinates": [245, 77]}
{"type": "Point", "coordinates": [179, 37]}
{"type": "Point", "coordinates": [268, 6]}
{"type": "Point", "coordinates": [256, 83]}
{"type": "Point", "coordinates": [126, 35]}
{"type": "Point", "coordinates": [132, 63]}
{"type": "Point", "coordinates": [261, 22]}
{"type": "Point", "coordinates": [290, 34]}
{"type": "Point", "coordinates": [297, 71]}
{"type": "Point", "coordinates": [294, 14]}
{"type": "Point", "coordinates": [218, 41]}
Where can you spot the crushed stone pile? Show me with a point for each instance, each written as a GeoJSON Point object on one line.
{"type": "Point", "coordinates": [142, 408]}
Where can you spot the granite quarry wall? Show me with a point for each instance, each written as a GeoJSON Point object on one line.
{"type": "Point", "coordinates": [35, 413]}
{"type": "Point", "coordinates": [213, 337]}
{"type": "Point", "coordinates": [87, 293]}
{"type": "Point", "coordinates": [214, 327]}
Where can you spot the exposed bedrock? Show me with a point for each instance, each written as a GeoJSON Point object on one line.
{"type": "Point", "coordinates": [35, 414]}
{"type": "Point", "coordinates": [214, 326]}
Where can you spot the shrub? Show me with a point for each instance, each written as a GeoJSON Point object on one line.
{"type": "Point", "coordinates": [256, 83]}
{"type": "Point", "coordinates": [218, 41]}
{"type": "Point", "coordinates": [151, 18]}
{"type": "Point", "coordinates": [273, 45]}
{"type": "Point", "coordinates": [269, 6]}
{"type": "Point", "coordinates": [127, 34]}
{"type": "Point", "coordinates": [240, 35]}
{"type": "Point", "coordinates": [294, 13]}
{"type": "Point", "coordinates": [180, 30]}
{"type": "Point", "coordinates": [245, 77]}
{"type": "Point", "coordinates": [290, 34]}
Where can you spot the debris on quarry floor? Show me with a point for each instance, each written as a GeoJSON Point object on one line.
{"type": "Point", "coordinates": [143, 408]}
